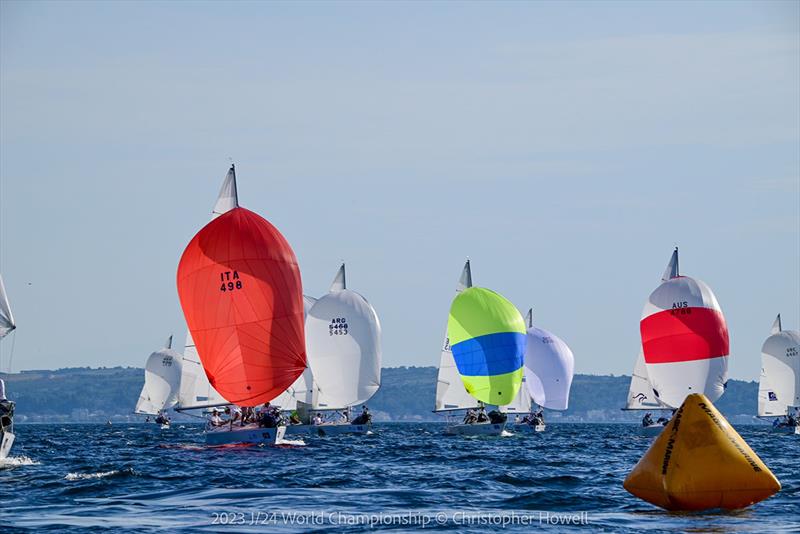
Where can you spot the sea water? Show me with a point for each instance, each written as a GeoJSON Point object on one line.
{"type": "Point", "coordinates": [139, 478]}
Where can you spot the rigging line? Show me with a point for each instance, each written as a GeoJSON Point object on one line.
{"type": "Point", "coordinates": [13, 344]}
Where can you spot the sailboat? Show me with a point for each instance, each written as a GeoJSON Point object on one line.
{"type": "Point", "coordinates": [779, 384]}
{"type": "Point", "coordinates": [162, 380]}
{"type": "Point", "coordinates": [344, 353]}
{"type": "Point", "coordinates": [240, 291]}
{"type": "Point", "coordinates": [684, 339]}
{"type": "Point", "coordinates": [7, 325]}
{"type": "Point", "coordinates": [549, 368]}
{"type": "Point", "coordinates": [486, 335]}
{"type": "Point", "coordinates": [451, 395]}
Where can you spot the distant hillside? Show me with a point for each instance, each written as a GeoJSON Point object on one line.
{"type": "Point", "coordinates": [406, 394]}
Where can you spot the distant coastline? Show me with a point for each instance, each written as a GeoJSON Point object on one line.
{"type": "Point", "coordinates": [86, 395]}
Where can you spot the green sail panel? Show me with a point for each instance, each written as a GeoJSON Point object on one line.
{"type": "Point", "coordinates": [487, 337]}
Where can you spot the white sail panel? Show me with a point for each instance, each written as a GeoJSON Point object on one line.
{"type": "Point", "coordinates": [344, 350]}
{"type": "Point", "coordinates": [6, 317]}
{"type": "Point", "coordinates": [339, 281]}
{"type": "Point", "coordinates": [549, 368]}
{"type": "Point", "coordinates": [779, 384]}
{"type": "Point", "coordinates": [195, 389]}
{"type": "Point", "coordinates": [640, 392]}
{"type": "Point", "coordinates": [672, 267]}
{"type": "Point", "coordinates": [162, 378]}
{"type": "Point", "coordinates": [522, 402]}
{"type": "Point", "coordinates": [228, 197]}
{"type": "Point", "coordinates": [450, 391]}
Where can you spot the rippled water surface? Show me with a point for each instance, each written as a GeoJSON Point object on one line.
{"type": "Point", "coordinates": [77, 477]}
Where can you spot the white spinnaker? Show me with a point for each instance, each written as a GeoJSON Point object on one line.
{"type": "Point", "coordinates": [779, 384]}
{"type": "Point", "coordinates": [6, 317]}
{"type": "Point", "coordinates": [450, 391]}
{"type": "Point", "coordinates": [343, 347]}
{"type": "Point", "coordinates": [521, 403]}
{"type": "Point", "coordinates": [195, 388]}
{"type": "Point", "coordinates": [549, 367]}
{"type": "Point", "coordinates": [640, 393]}
{"type": "Point", "coordinates": [162, 379]}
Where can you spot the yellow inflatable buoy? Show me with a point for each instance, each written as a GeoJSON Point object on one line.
{"type": "Point", "coordinates": [700, 462]}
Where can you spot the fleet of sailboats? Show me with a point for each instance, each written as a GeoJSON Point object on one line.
{"type": "Point", "coordinates": [254, 339]}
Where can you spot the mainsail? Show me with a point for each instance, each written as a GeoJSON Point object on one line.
{"type": "Point", "coordinates": [640, 393]}
{"type": "Point", "coordinates": [522, 402]}
{"type": "Point", "coordinates": [779, 384]}
{"type": "Point", "coordinates": [487, 336]}
{"type": "Point", "coordinates": [450, 391]}
{"type": "Point", "coordinates": [549, 367]}
{"type": "Point", "coordinates": [684, 339]}
{"type": "Point", "coordinates": [241, 295]}
{"type": "Point", "coordinates": [344, 348]}
{"type": "Point", "coordinates": [162, 378]}
{"type": "Point", "coordinates": [195, 390]}
{"type": "Point", "coordinates": [6, 318]}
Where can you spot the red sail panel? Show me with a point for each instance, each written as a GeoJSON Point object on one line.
{"type": "Point", "coordinates": [240, 290]}
{"type": "Point", "coordinates": [684, 335]}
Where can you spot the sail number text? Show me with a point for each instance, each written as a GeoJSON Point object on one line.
{"type": "Point", "coordinates": [338, 326]}
{"type": "Point", "coordinates": [230, 281]}
{"type": "Point", "coordinates": [681, 308]}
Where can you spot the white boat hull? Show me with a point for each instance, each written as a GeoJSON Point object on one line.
{"type": "Point", "coordinates": [786, 429]}
{"type": "Point", "coordinates": [476, 429]}
{"type": "Point", "coordinates": [529, 428]}
{"type": "Point", "coordinates": [334, 429]}
{"type": "Point", "coordinates": [225, 435]}
{"type": "Point", "coordinates": [6, 440]}
{"type": "Point", "coordinates": [651, 430]}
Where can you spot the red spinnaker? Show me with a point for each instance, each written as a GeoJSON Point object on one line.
{"type": "Point", "coordinates": [240, 290]}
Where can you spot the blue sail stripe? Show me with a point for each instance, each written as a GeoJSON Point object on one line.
{"type": "Point", "coordinates": [489, 355]}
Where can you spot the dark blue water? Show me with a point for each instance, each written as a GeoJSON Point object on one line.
{"type": "Point", "coordinates": [69, 478]}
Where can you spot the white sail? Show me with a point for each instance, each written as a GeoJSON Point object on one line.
{"type": "Point", "coordinates": [521, 403]}
{"type": "Point", "coordinates": [162, 379]}
{"type": "Point", "coordinates": [640, 393]}
{"type": "Point", "coordinates": [6, 317]}
{"type": "Point", "coordinates": [228, 197]}
{"type": "Point", "coordinates": [776, 326]}
{"type": "Point", "coordinates": [343, 348]}
{"type": "Point", "coordinates": [450, 391]}
{"type": "Point", "coordinates": [779, 384]}
{"type": "Point", "coordinates": [549, 367]}
{"type": "Point", "coordinates": [195, 389]}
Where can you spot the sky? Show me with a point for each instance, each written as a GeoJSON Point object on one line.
{"type": "Point", "coordinates": [564, 147]}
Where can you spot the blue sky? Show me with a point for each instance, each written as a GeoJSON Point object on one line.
{"type": "Point", "coordinates": [564, 147]}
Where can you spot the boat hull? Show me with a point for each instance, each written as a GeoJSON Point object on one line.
{"type": "Point", "coordinates": [786, 429]}
{"type": "Point", "coordinates": [335, 429]}
{"type": "Point", "coordinates": [249, 434]}
{"type": "Point", "coordinates": [651, 430]}
{"type": "Point", "coordinates": [6, 440]}
{"type": "Point", "coordinates": [475, 429]}
{"type": "Point", "coordinates": [530, 428]}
